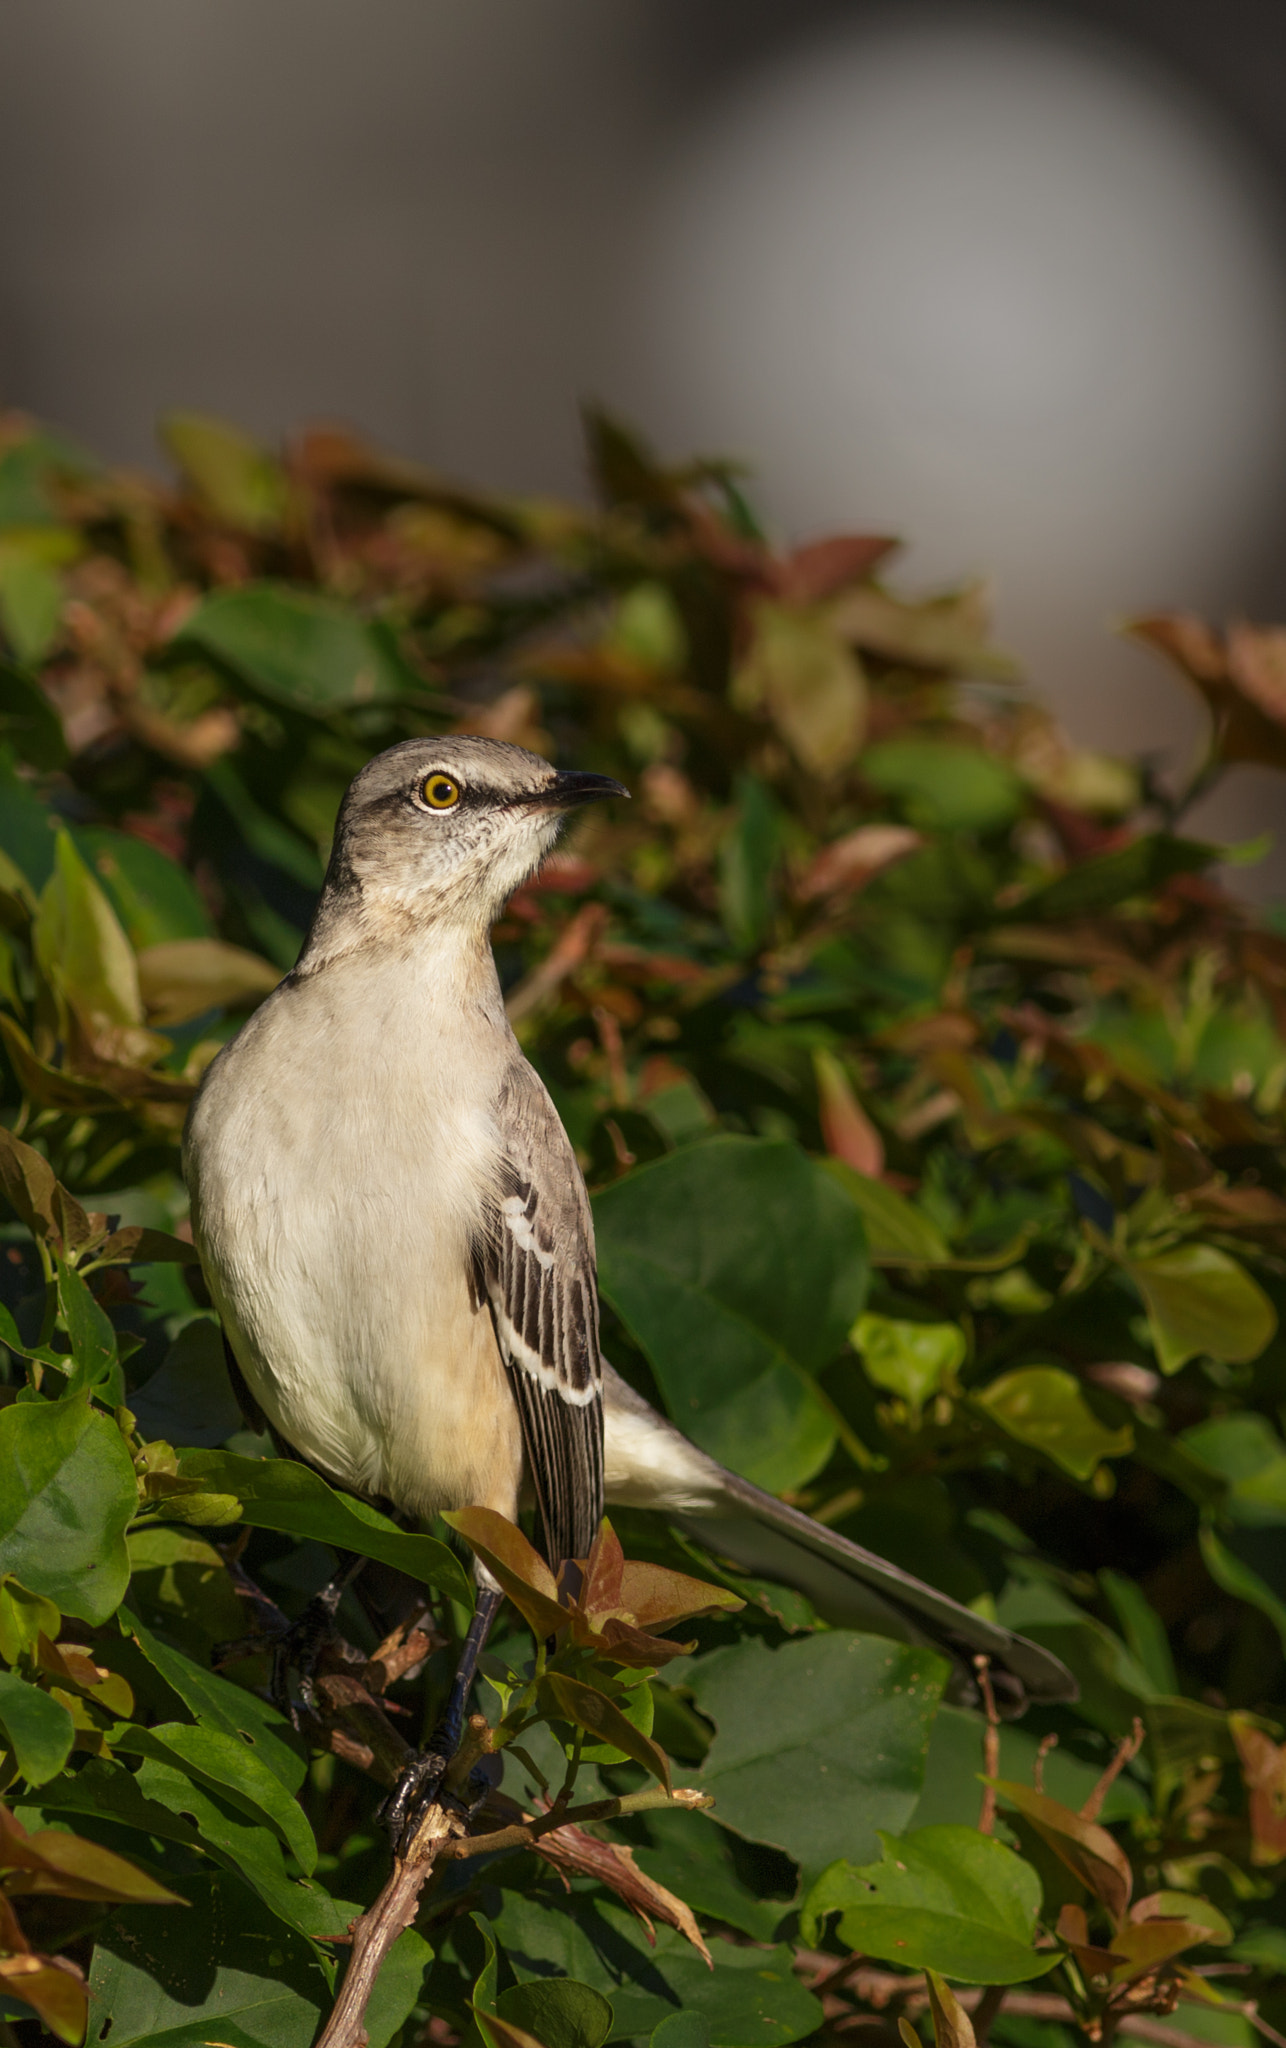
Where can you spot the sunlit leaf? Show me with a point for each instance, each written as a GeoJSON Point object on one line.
{"type": "Point", "coordinates": [912, 1360]}
{"type": "Point", "coordinates": [1200, 1300]}
{"type": "Point", "coordinates": [67, 1492]}
{"type": "Point", "coordinates": [1043, 1407]}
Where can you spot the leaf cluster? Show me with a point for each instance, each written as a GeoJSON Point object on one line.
{"type": "Point", "coordinates": [929, 1082]}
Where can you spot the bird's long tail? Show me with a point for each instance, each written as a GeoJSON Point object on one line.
{"type": "Point", "coordinates": [653, 1465]}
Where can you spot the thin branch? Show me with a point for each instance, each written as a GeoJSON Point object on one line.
{"type": "Point", "coordinates": [985, 2012]}
{"type": "Point", "coordinates": [525, 1834]}
{"type": "Point", "coordinates": [990, 1746]}
{"type": "Point", "coordinates": [1126, 1751]}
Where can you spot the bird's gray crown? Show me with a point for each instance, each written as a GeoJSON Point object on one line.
{"type": "Point", "coordinates": [442, 830]}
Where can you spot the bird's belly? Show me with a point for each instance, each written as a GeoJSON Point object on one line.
{"type": "Point", "coordinates": [349, 1309]}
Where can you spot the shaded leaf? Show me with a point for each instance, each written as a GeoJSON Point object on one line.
{"type": "Point", "coordinates": [1263, 1768]}
{"type": "Point", "coordinates": [897, 1233]}
{"type": "Point", "coordinates": [1139, 869]}
{"type": "Point", "coordinates": [802, 674]}
{"type": "Point", "coordinates": [945, 788]}
{"type": "Point", "coordinates": [183, 978]}
{"type": "Point", "coordinates": [223, 1761]}
{"type": "Point", "coordinates": [277, 1493]}
{"type": "Point", "coordinates": [54, 1862]}
{"type": "Point", "coordinates": [28, 721]}
{"type": "Point", "coordinates": [560, 2014]}
{"type": "Point", "coordinates": [590, 1709]}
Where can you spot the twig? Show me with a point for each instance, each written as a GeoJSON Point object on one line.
{"type": "Point", "coordinates": [525, 1834]}
{"type": "Point", "coordinates": [1127, 1749]}
{"type": "Point", "coordinates": [985, 2012]}
{"type": "Point", "coordinates": [990, 1747]}
{"type": "Point", "coordinates": [379, 1927]}
{"type": "Point", "coordinates": [1047, 1743]}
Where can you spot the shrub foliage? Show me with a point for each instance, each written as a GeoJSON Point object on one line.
{"type": "Point", "coordinates": [874, 955]}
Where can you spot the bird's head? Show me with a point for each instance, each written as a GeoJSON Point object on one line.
{"type": "Point", "coordinates": [443, 831]}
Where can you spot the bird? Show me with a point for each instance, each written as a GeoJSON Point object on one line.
{"type": "Point", "coordinates": [398, 1241]}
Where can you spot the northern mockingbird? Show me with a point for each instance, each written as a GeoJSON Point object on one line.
{"type": "Point", "coordinates": [398, 1240]}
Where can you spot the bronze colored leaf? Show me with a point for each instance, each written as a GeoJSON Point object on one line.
{"type": "Point", "coordinates": [1263, 1770]}
{"type": "Point", "coordinates": [1088, 1850]}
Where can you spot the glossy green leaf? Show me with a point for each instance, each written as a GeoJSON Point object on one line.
{"type": "Point", "coordinates": [559, 2013]}
{"type": "Point", "coordinates": [225, 1764]}
{"type": "Point", "coordinates": [24, 1618]}
{"type": "Point", "coordinates": [585, 1707]}
{"type": "Point", "coordinates": [217, 1703]}
{"type": "Point", "coordinates": [1044, 1408]}
{"type": "Point", "coordinates": [912, 1360]}
{"type": "Point", "coordinates": [682, 2030]}
{"type": "Point", "coordinates": [36, 1728]}
{"type": "Point", "coordinates": [946, 1899]}
{"type": "Point", "coordinates": [818, 1743]}
{"type": "Point", "coordinates": [299, 648]}
{"type": "Point", "coordinates": [226, 1974]}
{"type": "Point", "coordinates": [67, 1492]}
{"type": "Point", "coordinates": [81, 948]}
{"type": "Point", "coordinates": [738, 1266]}
{"type": "Point", "coordinates": [153, 896]}
{"type": "Point", "coordinates": [277, 1493]}
{"type": "Point", "coordinates": [189, 1400]}
{"type": "Point", "coordinates": [944, 788]}
{"type": "Point", "coordinates": [692, 1856]}
{"type": "Point", "coordinates": [1200, 1300]}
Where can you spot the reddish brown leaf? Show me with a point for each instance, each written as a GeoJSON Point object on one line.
{"type": "Point", "coordinates": [822, 567]}
{"type": "Point", "coordinates": [53, 1987]}
{"type": "Point", "coordinates": [1263, 1770]}
{"type": "Point", "coordinates": [519, 1570]}
{"type": "Point", "coordinates": [847, 1131]}
{"type": "Point", "coordinates": [51, 1861]}
{"type": "Point", "coordinates": [579, 1854]}
{"type": "Point", "coordinates": [1089, 1852]}
{"type": "Point", "coordinates": [586, 1708]}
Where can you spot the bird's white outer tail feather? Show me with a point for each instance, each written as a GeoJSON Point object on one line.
{"type": "Point", "coordinates": [651, 1464]}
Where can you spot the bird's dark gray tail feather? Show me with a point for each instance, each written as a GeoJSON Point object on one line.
{"type": "Point", "coordinates": [853, 1588]}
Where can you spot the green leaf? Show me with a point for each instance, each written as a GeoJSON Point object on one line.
{"type": "Point", "coordinates": [27, 827]}
{"type": "Point", "coordinates": [159, 1799]}
{"type": "Point", "coordinates": [38, 1729]}
{"type": "Point", "coordinates": [946, 1899]}
{"type": "Point", "coordinates": [1043, 1407]}
{"type": "Point", "coordinates": [92, 1339]}
{"type": "Point", "coordinates": [1228, 1571]}
{"type": "Point", "coordinates": [738, 1265]}
{"type": "Point", "coordinates": [184, 978]}
{"type": "Point", "coordinates": [559, 2013]}
{"type": "Point", "coordinates": [909, 1359]}
{"type": "Point", "coordinates": [155, 899]}
{"type": "Point", "coordinates": [235, 479]}
{"type": "Point", "coordinates": [1245, 1449]}
{"type": "Point", "coordinates": [585, 1707]}
{"type": "Point", "coordinates": [1143, 1629]}
{"type": "Point", "coordinates": [218, 1973]}
{"type": "Point", "coordinates": [691, 1855]}
{"type": "Point", "coordinates": [220, 1704]}
{"type": "Point", "coordinates": [682, 2030]}
{"type": "Point", "coordinates": [807, 679]}
{"type": "Point", "coordinates": [747, 861]}
{"type": "Point", "coordinates": [29, 722]}
{"type": "Point", "coordinates": [1200, 1300]}
{"type": "Point", "coordinates": [1139, 869]}
{"type": "Point", "coordinates": [31, 599]}
{"type": "Point", "coordinates": [897, 1233]}
{"type": "Point", "coordinates": [67, 1492]}
{"type": "Point", "coordinates": [80, 945]}
{"type": "Point", "coordinates": [224, 1763]}
{"type": "Point", "coordinates": [818, 1743]}
{"type": "Point", "coordinates": [277, 1493]}
{"type": "Point", "coordinates": [299, 648]}
{"type": "Point", "coordinates": [24, 1618]}
{"type": "Point", "coordinates": [189, 1400]}
{"type": "Point", "coordinates": [751, 1996]}
{"type": "Point", "coordinates": [944, 788]}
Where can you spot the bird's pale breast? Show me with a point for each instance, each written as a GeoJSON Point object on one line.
{"type": "Point", "coordinates": [340, 1155]}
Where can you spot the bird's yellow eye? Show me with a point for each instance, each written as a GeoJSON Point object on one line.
{"type": "Point", "coordinates": [440, 793]}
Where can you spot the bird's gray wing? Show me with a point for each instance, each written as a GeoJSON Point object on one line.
{"type": "Point", "coordinates": [538, 1278]}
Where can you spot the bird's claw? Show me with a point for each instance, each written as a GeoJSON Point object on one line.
{"type": "Point", "coordinates": [415, 1792]}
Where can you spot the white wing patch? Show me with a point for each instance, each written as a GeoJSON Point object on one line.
{"type": "Point", "coordinates": [514, 1211]}
{"type": "Point", "coordinates": [520, 1353]}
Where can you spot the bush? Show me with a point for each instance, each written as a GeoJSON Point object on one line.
{"type": "Point", "coordinates": [869, 916]}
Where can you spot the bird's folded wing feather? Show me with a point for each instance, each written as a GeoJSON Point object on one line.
{"type": "Point", "coordinates": [537, 1270]}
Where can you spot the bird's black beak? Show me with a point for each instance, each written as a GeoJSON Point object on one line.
{"type": "Point", "coordinates": [571, 786]}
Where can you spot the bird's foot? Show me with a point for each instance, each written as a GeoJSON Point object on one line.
{"type": "Point", "coordinates": [425, 1781]}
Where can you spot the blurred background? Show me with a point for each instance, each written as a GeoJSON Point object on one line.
{"type": "Point", "coordinates": [1010, 281]}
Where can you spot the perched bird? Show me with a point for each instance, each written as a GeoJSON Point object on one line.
{"type": "Point", "coordinates": [397, 1237]}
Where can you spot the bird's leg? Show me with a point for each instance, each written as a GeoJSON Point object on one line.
{"type": "Point", "coordinates": [422, 1779]}
{"type": "Point", "coordinates": [298, 1643]}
